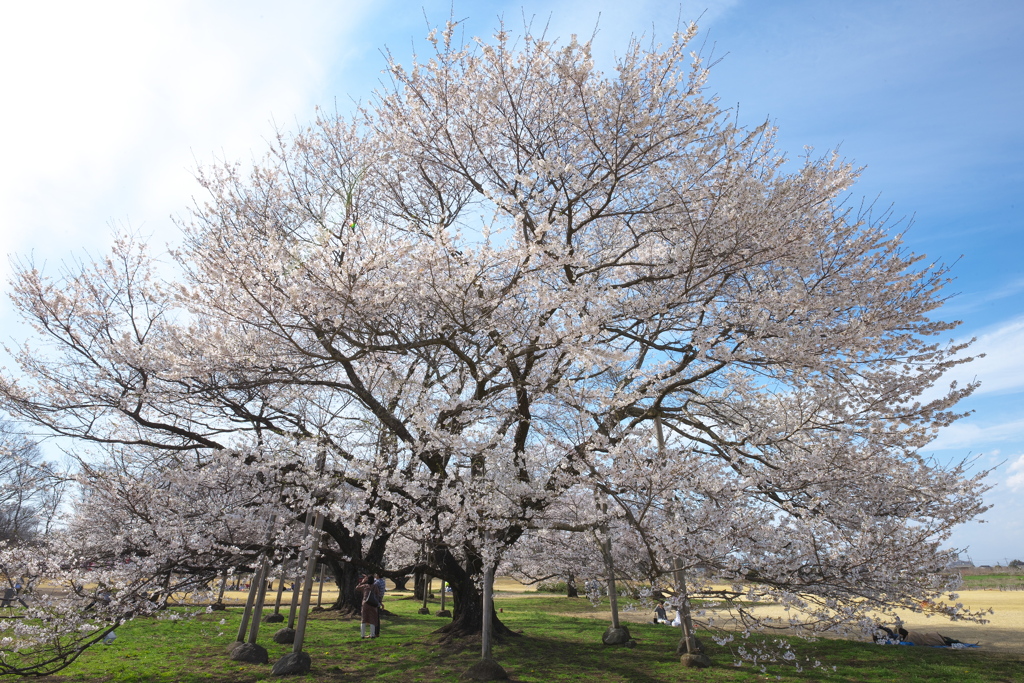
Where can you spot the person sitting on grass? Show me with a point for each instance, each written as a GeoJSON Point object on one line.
{"type": "Point", "coordinates": [930, 639]}
{"type": "Point", "coordinates": [660, 617]}
{"type": "Point", "coordinates": [885, 636]}
{"type": "Point", "coordinates": [902, 636]}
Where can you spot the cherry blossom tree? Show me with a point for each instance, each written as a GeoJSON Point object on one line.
{"type": "Point", "coordinates": [487, 289]}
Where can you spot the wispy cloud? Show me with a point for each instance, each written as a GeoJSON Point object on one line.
{"type": "Point", "coordinates": [1001, 371]}
{"type": "Point", "coordinates": [974, 301]}
{"type": "Point", "coordinates": [1015, 480]}
{"type": "Point", "coordinates": [975, 437]}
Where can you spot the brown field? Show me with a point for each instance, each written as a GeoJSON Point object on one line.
{"type": "Point", "coordinates": [1004, 631]}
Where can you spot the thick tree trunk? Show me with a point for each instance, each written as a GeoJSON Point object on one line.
{"type": "Point", "coordinates": [570, 587]}
{"type": "Point", "coordinates": [400, 583]}
{"type": "Point", "coordinates": [467, 599]}
{"type": "Point", "coordinates": [417, 585]}
{"type": "Point", "coordinates": [346, 577]}
{"type": "Point", "coordinates": [346, 574]}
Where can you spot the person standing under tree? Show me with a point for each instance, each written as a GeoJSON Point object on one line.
{"type": "Point", "coordinates": [371, 604]}
{"type": "Point", "coordinates": [381, 590]}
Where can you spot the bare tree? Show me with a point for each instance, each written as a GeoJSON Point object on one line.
{"type": "Point", "coordinates": [31, 488]}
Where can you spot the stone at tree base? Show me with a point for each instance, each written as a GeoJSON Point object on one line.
{"type": "Point", "coordinates": [285, 636]}
{"type": "Point", "coordinates": [292, 664]}
{"type": "Point", "coordinates": [218, 606]}
{"type": "Point", "coordinates": [443, 613]}
{"type": "Point", "coordinates": [231, 647]}
{"type": "Point", "coordinates": [615, 636]}
{"type": "Point", "coordinates": [700, 661]}
{"type": "Point", "coordinates": [485, 670]}
{"type": "Point", "coordinates": [273, 618]}
{"type": "Point", "coordinates": [630, 643]}
{"type": "Point", "coordinates": [424, 610]}
{"type": "Point", "coordinates": [250, 653]}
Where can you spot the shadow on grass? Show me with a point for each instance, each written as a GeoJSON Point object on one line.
{"type": "Point", "coordinates": [551, 649]}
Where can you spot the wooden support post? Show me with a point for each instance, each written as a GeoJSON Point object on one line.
{"type": "Point", "coordinates": [685, 622]}
{"type": "Point", "coordinates": [488, 626]}
{"type": "Point", "coordinates": [247, 612]}
{"type": "Point", "coordinates": [261, 596]}
{"type": "Point", "coordinates": [487, 669]}
{"type": "Point", "coordinates": [223, 585]}
{"type": "Point", "coordinates": [280, 590]}
{"type": "Point", "coordinates": [613, 592]}
{"type": "Point", "coordinates": [609, 563]}
{"type": "Point", "coordinates": [320, 590]}
{"type": "Point", "coordinates": [307, 584]}
{"type": "Point", "coordinates": [425, 586]}
{"type": "Point", "coordinates": [298, 572]}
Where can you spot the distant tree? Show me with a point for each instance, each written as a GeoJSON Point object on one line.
{"type": "Point", "coordinates": [31, 488]}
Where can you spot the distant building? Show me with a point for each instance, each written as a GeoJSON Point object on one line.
{"type": "Point", "coordinates": [960, 564]}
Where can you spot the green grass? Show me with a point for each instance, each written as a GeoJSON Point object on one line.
{"type": "Point", "coordinates": [551, 648]}
{"type": "Point", "coordinates": [996, 581]}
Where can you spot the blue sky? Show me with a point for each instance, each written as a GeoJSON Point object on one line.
{"type": "Point", "coordinates": [110, 105]}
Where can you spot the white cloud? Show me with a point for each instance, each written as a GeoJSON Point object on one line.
{"type": "Point", "coordinates": [1001, 371]}
{"type": "Point", "coordinates": [1016, 471]}
{"type": "Point", "coordinates": [1002, 532]}
{"type": "Point", "coordinates": [974, 436]}
{"type": "Point", "coordinates": [108, 104]}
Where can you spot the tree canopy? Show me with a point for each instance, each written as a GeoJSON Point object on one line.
{"type": "Point", "coordinates": [478, 300]}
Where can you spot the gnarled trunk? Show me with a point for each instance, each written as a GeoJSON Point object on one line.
{"type": "Point", "coordinates": [346, 574]}
{"type": "Point", "coordinates": [418, 584]}
{"type": "Point", "coordinates": [346, 577]}
{"type": "Point", "coordinates": [467, 599]}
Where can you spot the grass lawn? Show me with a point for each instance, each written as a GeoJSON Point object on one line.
{"type": "Point", "coordinates": [552, 647]}
{"type": "Point", "coordinates": [996, 581]}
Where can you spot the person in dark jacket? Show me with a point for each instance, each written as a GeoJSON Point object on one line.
{"type": "Point", "coordinates": [382, 588]}
{"type": "Point", "coordinates": [660, 617]}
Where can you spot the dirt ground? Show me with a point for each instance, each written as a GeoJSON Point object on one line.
{"type": "Point", "coordinates": [1003, 633]}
